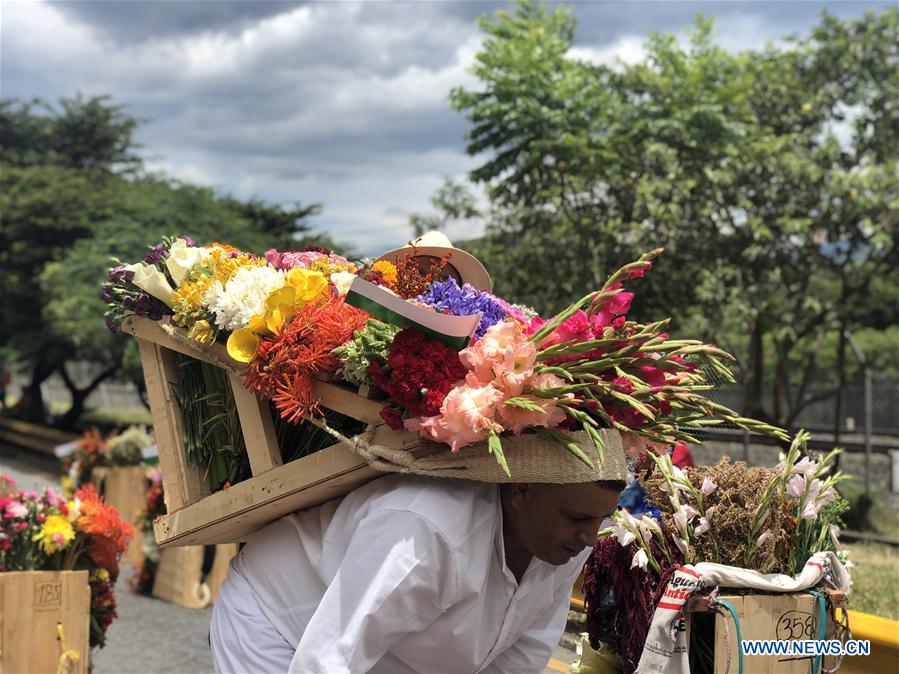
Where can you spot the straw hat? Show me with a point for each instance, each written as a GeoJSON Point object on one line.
{"type": "Point", "coordinates": [436, 245]}
{"type": "Point", "coordinates": [530, 459]}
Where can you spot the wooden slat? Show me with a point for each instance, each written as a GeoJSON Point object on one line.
{"type": "Point", "coordinates": [232, 514]}
{"type": "Point", "coordinates": [347, 401]}
{"type": "Point", "coordinates": [31, 605]}
{"type": "Point", "coordinates": [257, 427]}
{"type": "Point", "coordinates": [178, 577]}
{"type": "Point", "coordinates": [53, 435]}
{"type": "Point", "coordinates": [144, 328]}
{"type": "Point", "coordinates": [183, 483]}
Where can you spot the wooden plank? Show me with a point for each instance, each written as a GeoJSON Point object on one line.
{"type": "Point", "coordinates": [179, 575]}
{"type": "Point", "coordinates": [145, 329]}
{"type": "Point", "coordinates": [346, 401]}
{"type": "Point", "coordinates": [19, 440]}
{"type": "Point", "coordinates": [232, 514]}
{"type": "Point", "coordinates": [32, 603]}
{"type": "Point", "coordinates": [183, 483]}
{"type": "Point", "coordinates": [257, 427]}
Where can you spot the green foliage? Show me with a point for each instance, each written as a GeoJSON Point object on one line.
{"type": "Point", "coordinates": [453, 201]}
{"type": "Point", "coordinates": [770, 178]}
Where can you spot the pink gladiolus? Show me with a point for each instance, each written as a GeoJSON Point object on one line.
{"type": "Point", "coordinates": [796, 486]}
{"type": "Point", "coordinates": [805, 466]}
{"type": "Point", "coordinates": [708, 486]}
{"type": "Point", "coordinates": [705, 522]}
{"type": "Point", "coordinates": [466, 416]}
{"type": "Point", "coordinates": [834, 532]}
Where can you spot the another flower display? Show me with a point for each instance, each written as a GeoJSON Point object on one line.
{"type": "Point", "coordinates": [43, 531]}
{"type": "Point", "coordinates": [768, 520]}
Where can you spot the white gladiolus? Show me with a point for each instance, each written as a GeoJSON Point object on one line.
{"type": "Point", "coordinates": [640, 559]}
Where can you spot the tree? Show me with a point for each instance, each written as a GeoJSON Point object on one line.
{"type": "Point", "coordinates": [453, 200]}
{"type": "Point", "coordinates": [733, 162]}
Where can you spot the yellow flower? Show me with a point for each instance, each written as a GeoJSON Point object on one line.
{"type": "Point", "coordinates": [242, 345]}
{"type": "Point", "coordinates": [387, 269]}
{"type": "Point", "coordinates": [309, 285]}
{"type": "Point", "coordinates": [68, 485]}
{"type": "Point", "coordinates": [100, 574]}
{"type": "Point", "coordinates": [55, 535]}
{"type": "Point", "coordinates": [74, 508]}
{"type": "Point", "coordinates": [202, 332]}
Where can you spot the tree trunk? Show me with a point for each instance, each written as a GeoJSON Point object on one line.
{"type": "Point", "coordinates": [80, 396]}
{"type": "Point", "coordinates": [781, 386]}
{"type": "Point", "coordinates": [838, 411]}
{"type": "Point", "coordinates": [754, 371]}
{"type": "Point", "coordinates": [32, 404]}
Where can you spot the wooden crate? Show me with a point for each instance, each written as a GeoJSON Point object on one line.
{"type": "Point", "coordinates": [784, 617]}
{"type": "Point", "coordinates": [197, 517]}
{"type": "Point", "coordinates": [32, 606]}
{"type": "Point", "coordinates": [179, 576]}
{"type": "Point", "coordinates": [125, 489]}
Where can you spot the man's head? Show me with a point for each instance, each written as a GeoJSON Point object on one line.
{"type": "Point", "coordinates": [555, 522]}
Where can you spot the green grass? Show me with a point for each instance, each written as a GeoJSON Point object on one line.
{"type": "Point", "coordinates": [875, 580]}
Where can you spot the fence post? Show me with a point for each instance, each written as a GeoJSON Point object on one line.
{"type": "Point", "coordinates": [869, 403]}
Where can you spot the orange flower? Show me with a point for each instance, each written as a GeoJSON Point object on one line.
{"type": "Point", "coordinates": [107, 534]}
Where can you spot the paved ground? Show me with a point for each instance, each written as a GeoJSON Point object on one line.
{"type": "Point", "coordinates": [150, 635]}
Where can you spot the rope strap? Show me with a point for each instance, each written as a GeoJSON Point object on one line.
{"type": "Point", "coordinates": [730, 607]}
{"type": "Point", "coordinates": [67, 658]}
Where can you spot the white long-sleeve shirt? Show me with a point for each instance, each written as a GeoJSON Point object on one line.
{"type": "Point", "coordinates": [405, 574]}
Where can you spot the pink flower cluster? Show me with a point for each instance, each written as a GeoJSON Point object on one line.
{"type": "Point", "coordinates": [302, 258]}
{"type": "Point", "coordinates": [500, 367]}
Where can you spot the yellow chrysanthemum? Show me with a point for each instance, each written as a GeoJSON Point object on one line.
{"type": "Point", "coordinates": [387, 270]}
{"type": "Point", "coordinates": [202, 332]}
{"type": "Point", "coordinates": [55, 535]}
{"type": "Point", "coordinates": [327, 267]}
{"type": "Point", "coordinates": [100, 574]}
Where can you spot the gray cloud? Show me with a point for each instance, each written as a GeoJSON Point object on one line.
{"type": "Point", "coordinates": [336, 102]}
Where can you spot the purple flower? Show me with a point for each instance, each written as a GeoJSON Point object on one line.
{"type": "Point", "coordinates": [158, 253]}
{"type": "Point", "coordinates": [189, 241]}
{"type": "Point", "coordinates": [448, 297]}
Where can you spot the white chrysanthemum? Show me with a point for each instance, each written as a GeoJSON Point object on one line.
{"type": "Point", "coordinates": [243, 296]}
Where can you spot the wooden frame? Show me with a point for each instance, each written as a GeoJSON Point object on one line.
{"type": "Point", "coordinates": [197, 517]}
{"type": "Point", "coordinates": [178, 576]}
{"type": "Point", "coordinates": [32, 606]}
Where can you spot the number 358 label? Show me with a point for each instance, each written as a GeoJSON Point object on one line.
{"type": "Point", "coordinates": [47, 595]}
{"type": "Point", "coordinates": [797, 625]}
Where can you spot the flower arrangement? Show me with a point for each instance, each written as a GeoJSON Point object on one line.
{"type": "Point", "coordinates": [142, 580]}
{"type": "Point", "coordinates": [94, 451]}
{"type": "Point", "coordinates": [285, 316]}
{"type": "Point", "coordinates": [768, 520]}
{"type": "Point", "coordinates": [44, 531]}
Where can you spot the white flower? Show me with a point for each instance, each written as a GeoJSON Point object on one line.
{"type": "Point", "coordinates": [152, 281]}
{"type": "Point", "coordinates": [342, 281]}
{"type": "Point", "coordinates": [640, 559]}
{"type": "Point", "coordinates": [182, 259]}
{"type": "Point", "coordinates": [243, 296]}
{"type": "Point", "coordinates": [624, 536]}
{"type": "Point", "coordinates": [834, 532]}
{"type": "Point", "coordinates": [708, 486]}
{"type": "Point", "coordinates": [765, 535]}
{"type": "Point", "coordinates": [682, 546]}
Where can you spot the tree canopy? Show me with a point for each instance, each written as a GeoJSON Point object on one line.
{"type": "Point", "coordinates": [769, 176]}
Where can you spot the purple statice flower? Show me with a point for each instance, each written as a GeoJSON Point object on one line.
{"type": "Point", "coordinates": [447, 297]}
{"type": "Point", "coordinates": [157, 254]}
{"type": "Point", "coordinates": [124, 299]}
{"type": "Point", "coordinates": [188, 240]}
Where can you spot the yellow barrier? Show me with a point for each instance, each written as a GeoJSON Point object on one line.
{"type": "Point", "coordinates": [884, 637]}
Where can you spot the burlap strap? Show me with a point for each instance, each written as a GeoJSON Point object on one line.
{"type": "Point", "coordinates": [530, 458]}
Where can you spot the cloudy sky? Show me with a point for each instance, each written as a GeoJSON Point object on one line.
{"type": "Point", "coordinates": [342, 103]}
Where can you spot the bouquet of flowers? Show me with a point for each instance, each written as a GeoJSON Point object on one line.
{"type": "Point", "coordinates": [142, 581]}
{"type": "Point", "coordinates": [769, 520]}
{"type": "Point", "coordinates": [42, 531]}
{"type": "Point", "coordinates": [290, 318]}
{"type": "Point", "coordinates": [94, 451]}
